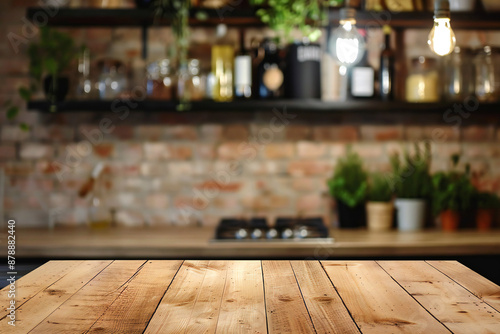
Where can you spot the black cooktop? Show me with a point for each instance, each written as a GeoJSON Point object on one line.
{"type": "Point", "coordinates": [258, 229]}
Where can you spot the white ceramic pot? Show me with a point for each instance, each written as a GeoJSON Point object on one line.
{"type": "Point", "coordinates": [462, 5]}
{"type": "Point", "coordinates": [411, 214]}
{"type": "Point", "coordinates": [379, 215]}
{"type": "Point", "coordinates": [491, 5]}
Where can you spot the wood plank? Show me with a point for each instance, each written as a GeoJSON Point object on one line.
{"type": "Point", "coordinates": [376, 302]}
{"type": "Point", "coordinates": [36, 281]}
{"type": "Point", "coordinates": [327, 311]}
{"type": "Point", "coordinates": [285, 308]}
{"type": "Point", "coordinates": [37, 308]}
{"type": "Point", "coordinates": [80, 311]}
{"type": "Point", "coordinates": [132, 310]}
{"type": "Point", "coordinates": [481, 287]}
{"type": "Point", "coordinates": [450, 303]}
{"type": "Point", "coordinates": [192, 303]}
{"type": "Point", "coordinates": [243, 308]}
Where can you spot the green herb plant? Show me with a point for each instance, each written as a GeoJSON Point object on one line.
{"type": "Point", "coordinates": [379, 188]}
{"type": "Point", "coordinates": [283, 16]}
{"type": "Point", "coordinates": [349, 181]}
{"type": "Point", "coordinates": [411, 173]}
{"type": "Point", "coordinates": [453, 190]}
{"type": "Point", "coordinates": [487, 201]}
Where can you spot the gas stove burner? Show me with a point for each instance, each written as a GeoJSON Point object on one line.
{"type": "Point", "coordinates": [283, 229]}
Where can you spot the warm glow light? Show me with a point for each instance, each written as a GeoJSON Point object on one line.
{"type": "Point", "coordinates": [441, 38]}
{"type": "Point", "coordinates": [346, 44]}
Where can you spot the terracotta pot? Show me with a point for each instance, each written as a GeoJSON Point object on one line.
{"type": "Point", "coordinates": [484, 218]}
{"type": "Point", "coordinates": [379, 215]}
{"type": "Point", "coordinates": [450, 220]}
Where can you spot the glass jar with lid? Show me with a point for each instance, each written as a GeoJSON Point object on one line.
{"type": "Point", "coordinates": [458, 73]}
{"type": "Point", "coordinates": [191, 84]}
{"type": "Point", "coordinates": [422, 83]}
{"type": "Point", "coordinates": [160, 82]}
{"type": "Point", "coordinates": [112, 79]}
{"type": "Point", "coordinates": [487, 65]}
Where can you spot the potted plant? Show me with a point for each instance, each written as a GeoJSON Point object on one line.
{"type": "Point", "coordinates": [453, 193]}
{"type": "Point", "coordinates": [49, 59]}
{"type": "Point", "coordinates": [412, 185]}
{"type": "Point", "coordinates": [486, 203]}
{"type": "Point", "coordinates": [348, 186]}
{"type": "Point", "coordinates": [379, 206]}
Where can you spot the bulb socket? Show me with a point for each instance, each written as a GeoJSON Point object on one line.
{"type": "Point", "coordinates": [441, 9]}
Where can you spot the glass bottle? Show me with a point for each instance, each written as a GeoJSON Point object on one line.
{"type": "Point", "coordinates": [112, 81]}
{"type": "Point", "coordinates": [222, 66]}
{"type": "Point", "coordinates": [487, 81]}
{"type": "Point", "coordinates": [243, 72]}
{"type": "Point", "coordinates": [84, 86]}
{"type": "Point", "coordinates": [362, 77]}
{"type": "Point", "coordinates": [191, 83]}
{"type": "Point", "coordinates": [422, 83]}
{"type": "Point", "coordinates": [99, 213]}
{"type": "Point", "coordinates": [458, 75]}
{"type": "Point", "coordinates": [159, 80]}
{"type": "Point", "coordinates": [387, 68]}
{"type": "Point", "coordinates": [269, 73]}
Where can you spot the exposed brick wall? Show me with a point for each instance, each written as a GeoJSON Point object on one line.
{"type": "Point", "coordinates": [160, 166]}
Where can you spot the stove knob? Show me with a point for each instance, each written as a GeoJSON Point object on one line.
{"type": "Point", "coordinates": [256, 233]}
{"type": "Point", "coordinates": [301, 233]}
{"type": "Point", "coordinates": [287, 234]}
{"type": "Point", "coordinates": [272, 234]}
{"type": "Point", "coordinates": [241, 234]}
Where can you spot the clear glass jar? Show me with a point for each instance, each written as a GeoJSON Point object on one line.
{"type": "Point", "coordinates": [112, 80]}
{"type": "Point", "coordinates": [99, 215]}
{"type": "Point", "coordinates": [458, 75]}
{"type": "Point", "coordinates": [422, 83]}
{"type": "Point", "coordinates": [191, 84]}
{"type": "Point", "coordinates": [84, 83]}
{"type": "Point", "coordinates": [487, 65]}
{"type": "Point", "coordinates": [160, 82]}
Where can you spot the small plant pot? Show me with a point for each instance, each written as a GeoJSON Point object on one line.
{"type": "Point", "coordinates": [484, 219]}
{"type": "Point", "coordinates": [61, 90]}
{"type": "Point", "coordinates": [351, 217]}
{"type": "Point", "coordinates": [379, 215]}
{"type": "Point", "coordinates": [410, 214]}
{"type": "Point", "coordinates": [450, 220]}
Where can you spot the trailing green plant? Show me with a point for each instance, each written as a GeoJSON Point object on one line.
{"type": "Point", "coordinates": [485, 200]}
{"type": "Point", "coordinates": [453, 190]}
{"type": "Point", "coordinates": [412, 179]}
{"type": "Point", "coordinates": [349, 181]}
{"type": "Point", "coordinates": [283, 16]}
{"type": "Point", "coordinates": [379, 188]}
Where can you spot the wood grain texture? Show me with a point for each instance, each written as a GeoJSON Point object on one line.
{"type": "Point", "coordinates": [133, 308]}
{"type": "Point", "coordinates": [243, 307]}
{"type": "Point", "coordinates": [376, 302]}
{"type": "Point", "coordinates": [37, 308]}
{"type": "Point", "coordinates": [85, 307]}
{"type": "Point", "coordinates": [285, 308]}
{"type": "Point", "coordinates": [481, 287]}
{"type": "Point", "coordinates": [192, 303]}
{"type": "Point", "coordinates": [40, 278]}
{"type": "Point", "coordinates": [458, 309]}
{"type": "Point", "coordinates": [327, 311]}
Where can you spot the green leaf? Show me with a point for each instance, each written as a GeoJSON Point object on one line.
{"type": "Point", "coordinates": [25, 93]}
{"type": "Point", "coordinates": [12, 112]}
{"type": "Point", "coordinates": [24, 127]}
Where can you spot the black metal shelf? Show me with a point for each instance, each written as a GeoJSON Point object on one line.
{"type": "Point", "coordinates": [93, 17]}
{"type": "Point", "coordinates": [317, 106]}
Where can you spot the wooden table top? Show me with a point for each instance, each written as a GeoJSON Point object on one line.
{"type": "Point", "coordinates": [170, 296]}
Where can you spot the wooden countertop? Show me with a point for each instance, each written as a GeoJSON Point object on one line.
{"type": "Point", "coordinates": [187, 242]}
{"type": "Point", "coordinates": [175, 296]}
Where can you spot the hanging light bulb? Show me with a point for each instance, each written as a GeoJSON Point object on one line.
{"type": "Point", "coordinates": [346, 44]}
{"type": "Point", "coordinates": [441, 38]}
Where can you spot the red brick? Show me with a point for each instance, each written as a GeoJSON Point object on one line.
{"type": "Point", "coordinates": [265, 167]}
{"type": "Point", "coordinates": [304, 184]}
{"type": "Point", "coordinates": [157, 201]}
{"type": "Point", "coordinates": [336, 149]}
{"type": "Point", "coordinates": [196, 203]}
{"type": "Point", "coordinates": [343, 133]}
{"type": "Point", "coordinates": [414, 133]}
{"type": "Point", "coordinates": [149, 132]}
{"type": "Point", "coordinates": [104, 150]}
{"type": "Point", "coordinates": [297, 132]}
{"type": "Point", "coordinates": [311, 150]}
{"type": "Point", "coordinates": [484, 150]}
{"type": "Point", "coordinates": [279, 151]}
{"type": "Point", "coordinates": [129, 218]}
{"type": "Point", "coordinates": [235, 132]}
{"type": "Point", "coordinates": [181, 152]}
{"type": "Point", "coordinates": [210, 132]}
{"type": "Point", "coordinates": [182, 132]}
{"type": "Point", "coordinates": [309, 202]}
{"type": "Point", "coordinates": [368, 150]}
{"type": "Point", "coordinates": [266, 202]}
{"type": "Point", "coordinates": [180, 169]}
{"type": "Point", "coordinates": [212, 185]}
{"type": "Point", "coordinates": [156, 151]}
{"type": "Point", "coordinates": [55, 133]}
{"type": "Point", "coordinates": [237, 151]}
{"type": "Point", "coordinates": [131, 152]}
{"type": "Point", "coordinates": [305, 168]}
{"type": "Point", "coordinates": [7, 152]}
{"type": "Point", "coordinates": [266, 133]}
{"type": "Point", "coordinates": [36, 151]}
{"type": "Point", "coordinates": [122, 132]}
{"type": "Point", "coordinates": [478, 133]}
{"type": "Point", "coordinates": [381, 133]}
{"type": "Point", "coordinates": [153, 169]}
{"type": "Point", "coordinates": [226, 202]}
{"type": "Point", "coordinates": [442, 133]}
{"type": "Point", "coordinates": [204, 151]}
{"type": "Point", "coordinates": [14, 133]}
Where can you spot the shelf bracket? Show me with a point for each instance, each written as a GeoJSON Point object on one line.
{"type": "Point", "coordinates": [144, 35]}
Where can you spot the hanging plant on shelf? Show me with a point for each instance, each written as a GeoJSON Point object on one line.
{"type": "Point", "coordinates": [282, 16]}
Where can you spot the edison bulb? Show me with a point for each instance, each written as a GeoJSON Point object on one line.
{"type": "Point", "coordinates": [346, 44]}
{"type": "Point", "coordinates": [442, 38]}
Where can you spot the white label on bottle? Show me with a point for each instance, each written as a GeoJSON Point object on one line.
{"type": "Point", "coordinates": [308, 53]}
{"type": "Point", "coordinates": [243, 70]}
{"type": "Point", "coordinates": [362, 83]}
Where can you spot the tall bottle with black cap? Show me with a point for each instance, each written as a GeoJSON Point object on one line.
{"type": "Point", "coordinates": [243, 71]}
